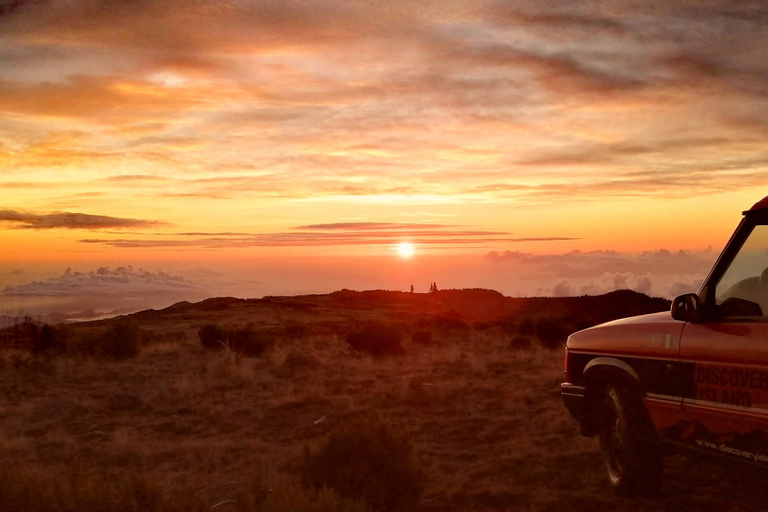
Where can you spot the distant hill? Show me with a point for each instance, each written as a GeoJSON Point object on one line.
{"type": "Point", "coordinates": [471, 305]}
{"type": "Point", "coordinates": [20, 334]}
{"type": "Point", "coordinates": [10, 321]}
{"type": "Point", "coordinates": [595, 309]}
{"type": "Point", "coordinates": [543, 320]}
{"type": "Point", "coordinates": [481, 305]}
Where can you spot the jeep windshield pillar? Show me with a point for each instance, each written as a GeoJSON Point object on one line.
{"type": "Point", "coordinates": [692, 379]}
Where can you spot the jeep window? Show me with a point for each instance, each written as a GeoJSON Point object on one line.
{"type": "Point", "coordinates": [743, 289]}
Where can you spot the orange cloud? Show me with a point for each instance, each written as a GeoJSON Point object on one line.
{"type": "Point", "coordinates": [67, 220]}
{"type": "Point", "coordinates": [237, 120]}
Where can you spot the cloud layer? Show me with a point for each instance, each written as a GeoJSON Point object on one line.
{"type": "Point", "coordinates": [459, 99]}
{"type": "Point", "coordinates": [336, 234]}
{"type": "Point", "coordinates": [121, 281]}
{"type": "Point", "coordinates": [67, 220]}
{"type": "Point", "coordinates": [662, 272]}
{"type": "Point", "coordinates": [514, 273]}
{"type": "Point", "coordinates": [545, 126]}
{"type": "Point", "coordinates": [104, 289]}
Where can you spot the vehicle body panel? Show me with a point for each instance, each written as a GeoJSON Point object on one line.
{"type": "Point", "coordinates": [727, 411]}
{"type": "Point", "coordinates": [654, 335]}
{"type": "Point", "coordinates": [702, 374]}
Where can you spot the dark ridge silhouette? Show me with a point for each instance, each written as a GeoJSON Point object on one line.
{"type": "Point", "coordinates": [20, 334]}
{"type": "Point", "coordinates": [9, 321]}
{"type": "Point", "coordinates": [469, 305]}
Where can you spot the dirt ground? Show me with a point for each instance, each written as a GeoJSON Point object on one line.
{"type": "Point", "coordinates": [485, 421]}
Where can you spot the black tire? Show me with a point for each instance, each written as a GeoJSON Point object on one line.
{"type": "Point", "coordinates": [629, 444]}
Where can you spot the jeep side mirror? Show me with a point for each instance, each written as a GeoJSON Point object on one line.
{"type": "Point", "coordinates": [687, 308]}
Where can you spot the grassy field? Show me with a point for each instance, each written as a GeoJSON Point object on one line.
{"type": "Point", "coordinates": [182, 428]}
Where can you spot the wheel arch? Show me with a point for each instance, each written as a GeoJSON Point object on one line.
{"type": "Point", "coordinates": [601, 368]}
{"type": "Point", "coordinates": [598, 374]}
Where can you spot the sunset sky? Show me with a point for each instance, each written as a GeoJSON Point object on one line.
{"type": "Point", "coordinates": [153, 151]}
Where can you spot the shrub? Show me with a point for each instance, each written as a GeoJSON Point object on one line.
{"type": "Point", "coordinates": [243, 340]}
{"type": "Point", "coordinates": [149, 337]}
{"type": "Point", "coordinates": [211, 337]}
{"type": "Point", "coordinates": [526, 327]}
{"type": "Point", "coordinates": [248, 341]}
{"type": "Point", "coordinates": [22, 490]}
{"type": "Point", "coordinates": [297, 363]}
{"type": "Point", "coordinates": [377, 339]}
{"type": "Point", "coordinates": [92, 488]}
{"type": "Point", "coordinates": [367, 461]}
{"type": "Point", "coordinates": [83, 342]}
{"type": "Point", "coordinates": [47, 339]}
{"type": "Point", "coordinates": [551, 332]}
{"type": "Point", "coordinates": [121, 340]}
{"type": "Point", "coordinates": [451, 321]}
{"type": "Point", "coordinates": [520, 343]}
{"type": "Point", "coordinates": [311, 500]}
{"type": "Point", "coordinates": [294, 330]}
{"type": "Point", "coordinates": [423, 338]}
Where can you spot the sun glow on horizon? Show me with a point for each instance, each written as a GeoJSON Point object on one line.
{"type": "Point", "coordinates": [405, 249]}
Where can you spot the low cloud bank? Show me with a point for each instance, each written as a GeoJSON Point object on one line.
{"type": "Point", "coordinates": [661, 273]}
{"type": "Point", "coordinates": [106, 289]}
{"type": "Point", "coordinates": [104, 281]}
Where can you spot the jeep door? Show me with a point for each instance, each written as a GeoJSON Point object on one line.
{"type": "Point", "coordinates": [725, 407]}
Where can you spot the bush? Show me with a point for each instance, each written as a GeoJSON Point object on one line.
{"type": "Point", "coordinates": [367, 461]}
{"type": "Point", "coordinates": [520, 343]}
{"type": "Point", "coordinates": [294, 330]}
{"type": "Point", "coordinates": [311, 500]}
{"type": "Point", "coordinates": [121, 340]}
{"type": "Point", "coordinates": [551, 332]}
{"type": "Point", "coordinates": [296, 363]}
{"type": "Point", "coordinates": [248, 341]}
{"type": "Point", "coordinates": [243, 340]}
{"type": "Point", "coordinates": [423, 338]}
{"type": "Point", "coordinates": [93, 488]}
{"type": "Point", "coordinates": [450, 321]}
{"type": "Point", "coordinates": [78, 343]}
{"type": "Point", "coordinates": [377, 339]}
{"type": "Point", "coordinates": [211, 337]}
{"type": "Point", "coordinates": [25, 491]}
{"type": "Point", "coordinates": [526, 327]}
{"type": "Point", "coordinates": [47, 339]}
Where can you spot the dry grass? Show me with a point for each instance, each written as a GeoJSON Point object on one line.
{"type": "Point", "coordinates": [180, 428]}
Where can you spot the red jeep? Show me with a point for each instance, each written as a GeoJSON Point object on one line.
{"type": "Point", "coordinates": [694, 378]}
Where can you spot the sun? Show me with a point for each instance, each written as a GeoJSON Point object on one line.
{"type": "Point", "coordinates": [405, 249]}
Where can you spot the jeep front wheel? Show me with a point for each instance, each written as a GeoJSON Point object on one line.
{"type": "Point", "coordinates": [628, 443]}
